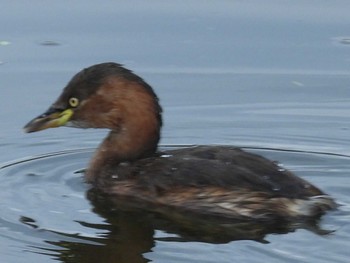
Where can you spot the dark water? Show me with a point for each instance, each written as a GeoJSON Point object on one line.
{"type": "Point", "coordinates": [257, 74]}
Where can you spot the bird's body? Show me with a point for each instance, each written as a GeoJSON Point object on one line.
{"type": "Point", "coordinates": [216, 180]}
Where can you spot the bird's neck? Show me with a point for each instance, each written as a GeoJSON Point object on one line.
{"type": "Point", "coordinates": [132, 141]}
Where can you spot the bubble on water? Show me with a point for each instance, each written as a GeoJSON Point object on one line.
{"type": "Point", "coordinates": [124, 164]}
{"type": "Point", "coordinates": [276, 188]}
{"type": "Point", "coordinates": [4, 43]}
{"type": "Point", "coordinates": [342, 40]}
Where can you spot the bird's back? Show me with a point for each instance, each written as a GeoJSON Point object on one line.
{"type": "Point", "coordinates": [224, 181]}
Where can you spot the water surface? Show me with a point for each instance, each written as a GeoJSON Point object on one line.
{"type": "Point", "coordinates": [263, 75]}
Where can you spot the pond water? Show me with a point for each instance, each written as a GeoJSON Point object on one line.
{"type": "Point", "coordinates": [269, 76]}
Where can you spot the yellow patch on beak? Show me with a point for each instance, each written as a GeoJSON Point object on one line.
{"type": "Point", "coordinates": [50, 119]}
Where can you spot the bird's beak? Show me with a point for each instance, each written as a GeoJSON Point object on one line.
{"type": "Point", "coordinates": [52, 118]}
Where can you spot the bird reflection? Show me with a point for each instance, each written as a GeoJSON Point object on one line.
{"type": "Point", "coordinates": [129, 231]}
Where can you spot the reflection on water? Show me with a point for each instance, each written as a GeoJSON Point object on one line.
{"type": "Point", "coordinates": [252, 73]}
{"type": "Point", "coordinates": [73, 228]}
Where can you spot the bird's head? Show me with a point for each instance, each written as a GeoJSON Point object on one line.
{"type": "Point", "coordinates": [102, 96]}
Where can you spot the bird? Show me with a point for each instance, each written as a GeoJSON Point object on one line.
{"type": "Point", "coordinates": [222, 181]}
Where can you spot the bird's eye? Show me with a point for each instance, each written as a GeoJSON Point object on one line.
{"type": "Point", "coordinates": [73, 102]}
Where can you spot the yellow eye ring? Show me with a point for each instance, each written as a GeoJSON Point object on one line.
{"type": "Point", "coordinates": [73, 102]}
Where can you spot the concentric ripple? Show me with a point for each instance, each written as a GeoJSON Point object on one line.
{"type": "Point", "coordinates": [44, 209]}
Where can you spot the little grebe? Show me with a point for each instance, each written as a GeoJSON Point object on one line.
{"type": "Point", "coordinates": [222, 181]}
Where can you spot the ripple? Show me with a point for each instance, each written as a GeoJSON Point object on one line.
{"type": "Point", "coordinates": [44, 209]}
{"type": "Point", "coordinates": [46, 188]}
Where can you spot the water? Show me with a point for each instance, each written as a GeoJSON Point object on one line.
{"type": "Point", "coordinates": [48, 214]}
{"type": "Point", "coordinates": [271, 76]}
